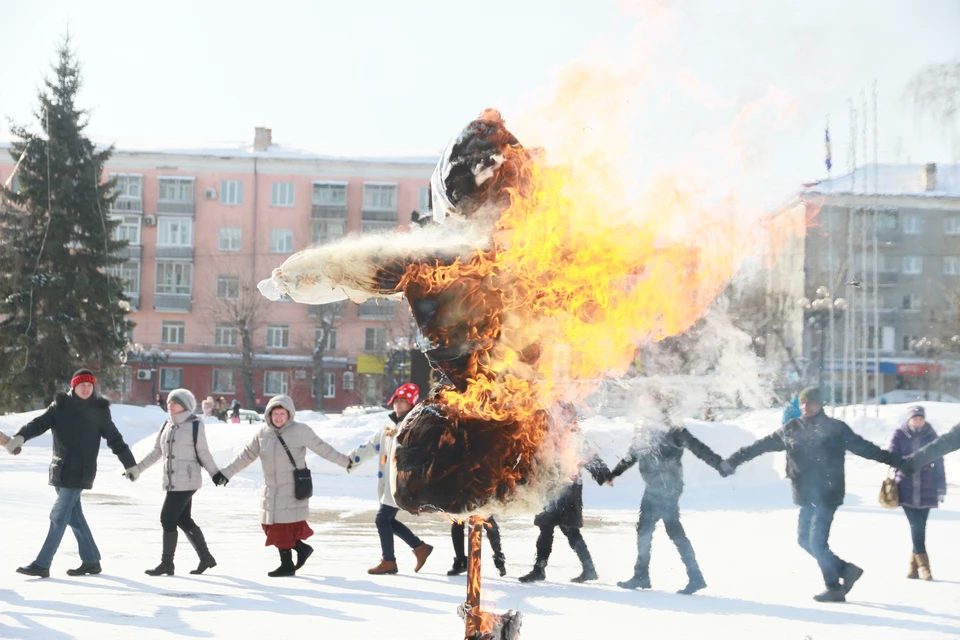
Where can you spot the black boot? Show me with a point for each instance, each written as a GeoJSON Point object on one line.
{"type": "Point", "coordinates": [459, 566]}
{"type": "Point", "coordinates": [195, 536]}
{"type": "Point", "coordinates": [304, 551]}
{"type": "Point", "coordinates": [286, 567]}
{"type": "Point", "coordinates": [35, 570]}
{"type": "Point", "coordinates": [537, 574]}
{"type": "Point", "coordinates": [638, 581]}
{"type": "Point", "coordinates": [166, 559]}
{"type": "Point", "coordinates": [586, 560]}
{"type": "Point", "coordinates": [493, 535]}
{"type": "Point", "coordinates": [500, 562]}
{"type": "Point", "coordinates": [695, 582]}
{"type": "Point", "coordinates": [87, 568]}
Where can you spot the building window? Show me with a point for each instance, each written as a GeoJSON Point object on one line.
{"type": "Point", "coordinates": [223, 381]}
{"type": "Point", "coordinates": [176, 190]}
{"type": "Point", "coordinates": [170, 378]}
{"type": "Point", "coordinates": [275, 383]}
{"type": "Point", "coordinates": [175, 231]}
{"type": "Point", "coordinates": [425, 204]}
{"type": "Point", "coordinates": [908, 342]}
{"type": "Point", "coordinates": [379, 207]}
{"type": "Point", "coordinates": [230, 238]}
{"type": "Point", "coordinates": [174, 277]}
{"type": "Point", "coordinates": [912, 225]}
{"type": "Point", "coordinates": [951, 226]}
{"type": "Point", "coordinates": [913, 265]}
{"type": "Point", "coordinates": [887, 339]}
{"type": "Point", "coordinates": [374, 339]}
{"type": "Point", "coordinates": [129, 186]}
{"type": "Point", "coordinates": [330, 194]}
{"type": "Point", "coordinates": [281, 194]}
{"type": "Point", "coordinates": [128, 229]}
{"type": "Point", "coordinates": [129, 275]}
{"type": "Point", "coordinates": [911, 302]}
{"type": "Point", "coordinates": [329, 340]}
{"type": "Point", "coordinates": [278, 335]}
{"type": "Point", "coordinates": [281, 240]}
{"type": "Point", "coordinates": [225, 335]}
{"type": "Point", "coordinates": [171, 332]}
{"type": "Point", "coordinates": [951, 266]}
{"type": "Point", "coordinates": [349, 381]}
{"type": "Point", "coordinates": [329, 385]}
{"type": "Point", "coordinates": [15, 184]}
{"type": "Point", "coordinates": [228, 287]}
{"type": "Point", "coordinates": [231, 192]}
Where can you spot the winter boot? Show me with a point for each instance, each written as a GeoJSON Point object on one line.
{"type": "Point", "coordinates": [695, 582]}
{"type": "Point", "coordinates": [422, 552]}
{"type": "Point", "coordinates": [35, 570]}
{"type": "Point", "coordinates": [286, 567]}
{"type": "Point", "coordinates": [923, 563]}
{"type": "Point", "coordinates": [199, 544]}
{"type": "Point", "coordinates": [537, 574]}
{"type": "Point", "coordinates": [500, 562]}
{"type": "Point", "coordinates": [166, 558]}
{"type": "Point", "coordinates": [386, 567]}
{"type": "Point", "coordinates": [831, 595]}
{"type": "Point", "coordinates": [913, 574]}
{"type": "Point", "coordinates": [459, 566]}
{"type": "Point", "coordinates": [849, 575]}
{"type": "Point", "coordinates": [304, 551]}
{"type": "Point", "coordinates": [589, 571]}
{"type": "Point", "coordinates": [91, 568]}
{"type": "Point", "coordinates": [638, 581]}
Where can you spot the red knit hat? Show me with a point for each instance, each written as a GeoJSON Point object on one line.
{"type": "Point", "coordinates": [83, 375]}
{"type": "Point", "coordinates": [409, 392]}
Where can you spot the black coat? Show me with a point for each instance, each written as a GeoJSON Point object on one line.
{"type": "Point", "coordinates": [567, 509]}
{"type": "Point", "coordinates": [815, 448]}
{"type": "Point", "coordinates": [78, 425]}
{"type": "Point", "coordinates": [660, 463]}
{"type": "Point", "coordinates": [947, 443]}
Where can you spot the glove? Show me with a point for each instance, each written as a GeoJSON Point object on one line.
{"type": "Point", "coordinates": [14, 445]}
{"type": "Point", "coordinates": [131, 474]}
{"type": "Point", "coordinates": [219, 479]}
{"type": "Point", "coordinates": [726, 469]}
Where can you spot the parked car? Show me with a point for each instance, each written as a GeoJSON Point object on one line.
{"type": "Point", "coordinates": [250, 417]}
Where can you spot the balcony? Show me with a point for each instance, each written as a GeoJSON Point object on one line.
{"type": "Point", "coordinates": [376, 310]}
{"type": "Point", "coordinates": [378, 220]}
{"type": "Point", "coordinates": [174, 252]}
{"type": "Point", "coordinates": [328, 212]}
{"type": "Point", "coordinates": [334, 309]}
{"type": "Point", "coordinates": [172, 302]}
{"type": "Point", "coordinates": [134, 300]}
{"type": "Point", "coordinates": [127, 204]}
{"type": "Point", "coordinates": [884, 278]}
{"type": "Point", "coordinates": [131, 252]}
{"type": "Point", "coordinates": [885, 238]}
{"type": "Point", "coordinates": [175, 207]}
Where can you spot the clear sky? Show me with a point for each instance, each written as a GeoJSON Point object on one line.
{"type": "Point", "coordinates": [387, 77]}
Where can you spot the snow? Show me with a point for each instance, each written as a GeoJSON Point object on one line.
{"type": "Point", "coordinates": [743, 530]}
{"type": "Point", "coordinates": [894, 179]}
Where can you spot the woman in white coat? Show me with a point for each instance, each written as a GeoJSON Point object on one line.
{"type": "Point", "coordinates": [284, 518]}
{"type": "Point", "coordinates": [182, 445]}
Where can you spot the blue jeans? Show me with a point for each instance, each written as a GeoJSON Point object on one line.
{"type": "Point", "coordinates": [67, 511]}
{"type": "Point", "coordinates": [813, 534]}
{"type": "Point", "coordinates": [388, 526]}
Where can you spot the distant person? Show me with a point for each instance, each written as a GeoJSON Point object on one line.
{"type": "Point", "coordinates": [161, 402]}
{"type": "Point", "coordinates": [220, 410]}
{"type": "Point", "coordinates": [920, 490]}
{"type": "Point", "coordinates": [207, 406]}
{"type": "Point", "coordinates": [816, 446]}
{"type": "Point", "coordinates": [281, 445]}
{"type": "Point", "coordinates": [235, 411]}
{"type": "Point", "coordinates": [79, 420]}
{"type": "Point", "coordinates": [381, 445]}
{"type": "Point", "coordinates": [182, 445]}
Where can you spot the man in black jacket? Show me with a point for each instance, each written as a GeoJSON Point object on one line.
{"type": "Point", "coordinates": [816, 446]}
{"type": "Point", "coordinates": [658, 454]}
{"type": "Point", "coordinates": [79, 420]}
{"type": "Point", "coordinates": [946, 443]}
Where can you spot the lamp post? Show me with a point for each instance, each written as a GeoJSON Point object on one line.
{"type": "Point", "coordinates": [928, 349]}
{"type": "Point", "coordinates": [817, 314]}
{"type": "Point", "coordinates": [154, 357]}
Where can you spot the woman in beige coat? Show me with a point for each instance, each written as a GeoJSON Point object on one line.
{"type": "Point", "coordinates": [184, 451]}
{"type": "Point", "coordinates": [284, 518]}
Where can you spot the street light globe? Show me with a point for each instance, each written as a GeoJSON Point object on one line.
{"type": "Point", "coordinates": [138, 347]}
{"type": "Point", "coordinates": [823, 292]}
{"type": "Point", "coordinates": [804, 303]}
{"type": "Point", "coordinates": [840, 304]}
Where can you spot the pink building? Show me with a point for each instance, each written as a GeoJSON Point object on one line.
{"type": "Point", "coordinates": [205, 225]}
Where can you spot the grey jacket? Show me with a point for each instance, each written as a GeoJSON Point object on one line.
{"type": "Point", "coordinates": [182, 458]}
{"type": "Point", "coordinates": [278, 502]}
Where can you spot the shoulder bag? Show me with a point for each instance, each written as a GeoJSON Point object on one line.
{"type": "Point", "coordinates": [302, 478]}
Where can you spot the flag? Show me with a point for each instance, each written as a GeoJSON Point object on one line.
{"type": "Point", "coordinates": [828, 160]}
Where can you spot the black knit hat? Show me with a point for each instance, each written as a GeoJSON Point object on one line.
{"type": "Point", "coordinates": [82, 375]}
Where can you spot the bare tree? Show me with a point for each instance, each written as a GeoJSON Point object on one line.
{"type": "Point", "coordinates": [935, 93]}
{"type": "Point", "coordinates": [327, 318]}
{"type": "Point", "coordinates": [761, 313]}
{"type": "Point", "coordinates": [244, 309]}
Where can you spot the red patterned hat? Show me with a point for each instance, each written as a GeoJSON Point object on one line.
{"type": "Point", "coordinates": [409, 392]}
{"type": "Point", "coordinates": [83, 375]}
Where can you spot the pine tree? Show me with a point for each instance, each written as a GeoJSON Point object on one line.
{"type": "Point", "coordinates": [59, 307]}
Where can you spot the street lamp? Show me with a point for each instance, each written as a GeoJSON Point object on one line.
{"type": "Point", "coordinates": [817, 314]}
{"type": "Point", "coordinates": [152, 356]}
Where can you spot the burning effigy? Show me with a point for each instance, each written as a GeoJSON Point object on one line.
{"type": "Point", "coordinates": [524, 296]}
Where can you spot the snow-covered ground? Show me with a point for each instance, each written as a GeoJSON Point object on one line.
{"type": "Point", "coordinates": [743, 529]}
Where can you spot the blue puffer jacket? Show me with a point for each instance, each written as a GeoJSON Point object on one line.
{"type": "Point", "coordinates": [923, 488]}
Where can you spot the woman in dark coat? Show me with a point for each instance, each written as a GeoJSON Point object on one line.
{"type": "Point", "coordinates": [920, 490]}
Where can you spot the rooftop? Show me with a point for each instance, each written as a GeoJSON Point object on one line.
{"type": "Point", "coordinates": [893, 180]}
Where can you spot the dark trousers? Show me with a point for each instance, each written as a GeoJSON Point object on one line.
{"type": "Point", "coordinates": [918, 527]}
{"type": "Point", "coordinates": [493, 535]}
{"type": "Point", "coordinates": [387, 527]}
{"type": "Point", "coordinates": [176, 511]}
{"type": "Point", "coordinates": [574, 537]}
{"type": "Point", "coordinates": [813, 535]}
{"type": "Point", "coordinates": [654, 508]}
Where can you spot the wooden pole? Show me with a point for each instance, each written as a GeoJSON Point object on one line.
{"type": "Point", "coordinates": [472, 617]}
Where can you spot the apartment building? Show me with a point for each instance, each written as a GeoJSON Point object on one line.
{"type": "Point", "coordinates": [205, 225]}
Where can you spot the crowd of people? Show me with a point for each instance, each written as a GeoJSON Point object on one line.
{"type": "Point", "coordinates": [815, 447]}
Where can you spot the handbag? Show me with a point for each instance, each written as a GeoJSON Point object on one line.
{"type": "Point", "coordinates": [890, 492]}
{"type": "Point", "coordinates": [302, 478]}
